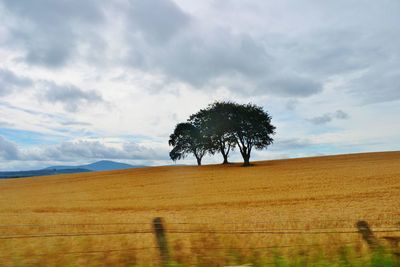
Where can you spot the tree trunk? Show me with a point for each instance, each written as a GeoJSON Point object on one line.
{"type": "Point", "coordinates": [246, 159]}
{"type": "Point", "coordinates": [198, 161]}
{"type": "Point", "coordinates": [225, 158]}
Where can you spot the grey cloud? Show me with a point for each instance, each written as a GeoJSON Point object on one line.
{"type": "Point", "coordinates": [376, 86]}
{"type": "Point", "coordinates": [157, 20]}
{"type": "Point", "coordinates": [10, 82]}
{"type": "Point", "coordinates": [80, 150]}
{"type": "Point", "coordinates": [334, 52]}
{"type": "Point", "coordinates": [70, 96]}
{"type": "Point", "coordinates": [8, 150]}
{"type": "Point", "coordinates": [370, 54]}
{"type": "Point", "coordinates": [374, 57]}
{"type": "Point", "coordinates": [198, 59]}
{"type": "Point", "coordinates": [96, 150]}
{"type": "Point", "coordinates": [220, 58]}
{"type": "Point", "coordinates": [47, 31]}
{"type": "Point", "coordinates": [209, 58]}
{"type": "Point", "coordinates": [322, 119]}
{"type": "Point", "coordinates": [328, 117]}
{"type": "Point", "coordinates": [340, 114]}
{"type": "Point", "coordinates": [293, 86]}
{"type": "Point", "coordinates": [163, 39]}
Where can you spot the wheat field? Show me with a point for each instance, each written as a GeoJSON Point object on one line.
{"type": "Point", "coordinates": [44, 220]}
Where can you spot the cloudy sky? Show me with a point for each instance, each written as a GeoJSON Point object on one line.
{"type": "Point", "coordinates": [90, 79]}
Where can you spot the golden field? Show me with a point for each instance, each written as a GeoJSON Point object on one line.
{"type": "Point", "coordinates": [210, 202]}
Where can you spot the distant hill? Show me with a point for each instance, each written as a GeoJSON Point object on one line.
{"type": "Point", "coordinates": [22, 174]}
{"type": "Point", "coordinates": [103, 165]}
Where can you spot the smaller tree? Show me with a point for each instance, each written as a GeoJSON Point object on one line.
{"type": "Point", "coordinates": [187, 139]}
{"type": "Point", "coordinates": [251, 128]}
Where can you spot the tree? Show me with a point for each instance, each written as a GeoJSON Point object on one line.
{"type": "Point", "coordinates": [187, 139]}
{"type": "Point", "coordinates": [215, 122]}
{"type": "Point", "coordinates": [251, 127]}
{"type": "Point", "coordinates": [221, 127]}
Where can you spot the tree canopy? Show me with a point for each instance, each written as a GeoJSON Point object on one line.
{"type": "Point", "coordinates": [252, 128]}
{"type": "Point", "coordinates": [187, 139]}
{"type": "Point", "coordinates": [216, 123]}
{"type": "Point", "coordinates": [222, 127]}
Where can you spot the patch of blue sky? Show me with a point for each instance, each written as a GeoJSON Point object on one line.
{"type": "Point", "coordinates": [29, 138]}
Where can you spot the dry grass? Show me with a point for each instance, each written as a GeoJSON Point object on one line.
{"type": "Point", "coordinates": [310, 193]}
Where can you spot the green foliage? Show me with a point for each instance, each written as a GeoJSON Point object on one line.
{"type": "Point", "coordinates": [346, 258]}
{"type": "Point", "coordinates": [251, 128]}
{"type": "Point", "coordinates": [383, 259]}
{"type": "Point", "coordinates": [221, 127]}
{"type": "Point", "coordinates": [187, 139]}
{"type": "Point", "coordinates": [174, 264]}
{"type": "Point", "coordinates": [216, 124]}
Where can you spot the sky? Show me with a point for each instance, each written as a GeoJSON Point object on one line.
{"type": "Point", "coordinates": [84, 80]}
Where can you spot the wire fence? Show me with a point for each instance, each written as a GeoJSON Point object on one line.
{"type": "Point", "coordinates": [179, 228]}
{"type": "Point", "coordinates": [172, 229]}
{"type": "Point", "coordinates": [242, 232]}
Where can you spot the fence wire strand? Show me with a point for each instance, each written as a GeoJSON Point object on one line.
{"type": "Point", "coordinates": [183, 231]}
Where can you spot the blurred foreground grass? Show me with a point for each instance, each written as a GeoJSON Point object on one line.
{"type": "Point", "coordinates": [204, 255]}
